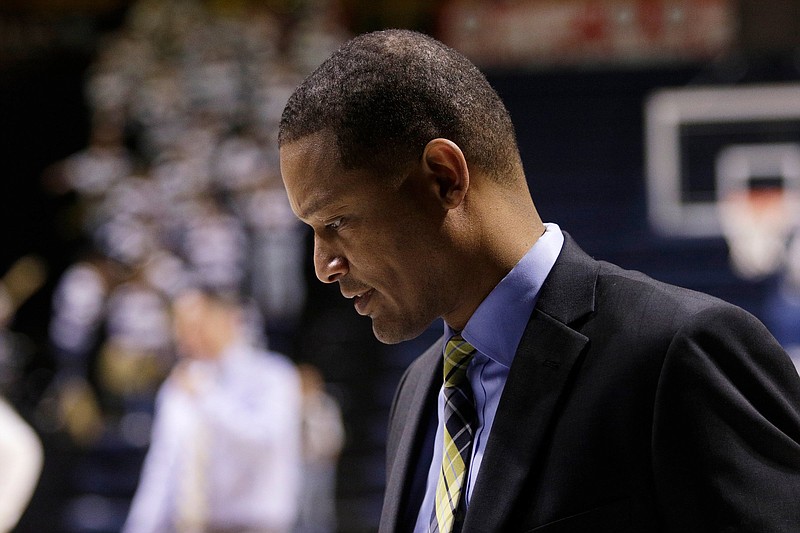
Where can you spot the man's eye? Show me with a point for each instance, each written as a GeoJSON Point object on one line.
{"type": "Point", "coordinates": [334, 224]}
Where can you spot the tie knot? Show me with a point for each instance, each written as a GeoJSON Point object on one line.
{"type": "Point", "coordinates": [457, 355]}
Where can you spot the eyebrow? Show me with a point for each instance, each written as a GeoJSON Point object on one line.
{"type": "Point", "coordinates": [312, 207]}
{"type": "Point", "coordinates": [317, 204]}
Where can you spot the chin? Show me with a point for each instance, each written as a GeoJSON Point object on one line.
{"type": "Point", "coordinates": [395, 333]}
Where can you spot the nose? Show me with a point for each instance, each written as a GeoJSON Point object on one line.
{"type": "Point", "coordinates": [329, 265]}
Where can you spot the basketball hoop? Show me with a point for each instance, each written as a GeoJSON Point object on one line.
{"type": "Point", "coordinates": [757, 224]}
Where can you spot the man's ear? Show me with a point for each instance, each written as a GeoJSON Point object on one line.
{"type": "Point", "coordinates": [446, 171]}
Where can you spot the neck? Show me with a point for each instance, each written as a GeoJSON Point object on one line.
{"type": "Point", "coordinates": [491, 254]}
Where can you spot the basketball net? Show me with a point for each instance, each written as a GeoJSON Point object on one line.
{"type": "Point", "coordinates": [758, 225]}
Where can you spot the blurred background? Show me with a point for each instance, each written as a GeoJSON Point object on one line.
{"type": "Point", "coordinates": [138, 154]}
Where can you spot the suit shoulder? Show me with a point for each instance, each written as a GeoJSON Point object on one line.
{"type": "Point", "coordinates": [682, 317]}
{"type": "Point", "coordinates": [638, 294]}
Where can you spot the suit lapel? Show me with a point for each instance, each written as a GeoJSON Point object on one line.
{"type": "Point", "coordinates": [413, 409]}
{"type": "Point", "coordinates": [537, 380]}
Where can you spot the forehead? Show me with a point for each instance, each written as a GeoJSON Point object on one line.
{"type": "Point", "coordinates": [314, 177]}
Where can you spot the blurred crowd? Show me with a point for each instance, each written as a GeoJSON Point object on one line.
{"type": "Point", "coordinates": [177, 197]}
{"type": "Point", "coordinates": [179, 190]}
{"type": "Point", "coordinates": [179, 184]}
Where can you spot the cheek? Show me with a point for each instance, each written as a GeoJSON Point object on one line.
{"type": "Point", "coordinates": [413, 276]}
{"type": "Point", "coordinates": [399, 258]}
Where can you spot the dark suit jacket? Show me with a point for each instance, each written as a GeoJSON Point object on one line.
{"type": "Point", "coordinates": [631, 406]}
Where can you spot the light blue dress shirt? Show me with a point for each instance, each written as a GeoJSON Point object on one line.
{"type": "Point", "coordinates": [495, 330]}
{"type": "Point", "coordinates": [242, 428]}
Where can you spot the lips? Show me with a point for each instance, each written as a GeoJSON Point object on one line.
{"type": "Point", "coordinates": [361, 301]}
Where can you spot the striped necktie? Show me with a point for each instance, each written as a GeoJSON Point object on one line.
{"type": "Point", "coordinates": [459, 429]}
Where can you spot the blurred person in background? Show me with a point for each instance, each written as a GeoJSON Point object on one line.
{"type": "Point", "coordinates": [21, 451]}
{"type": "Point", "coordinates": [323, 438]}
{"type": "Point", "coordinates": [566, 394]}
{"type": "Point", "coordinates": [226, 443]}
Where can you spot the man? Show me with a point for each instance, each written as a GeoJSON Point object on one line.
{"type": "Point", "coordinates": [588, 397]}
{"type": "Point", "coordinates": [225, 451]}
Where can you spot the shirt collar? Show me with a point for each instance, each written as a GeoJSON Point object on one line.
{"type": "Point", "coordinates": [232, 355]}
{"type": "Point", "coordinates": [496, 327]}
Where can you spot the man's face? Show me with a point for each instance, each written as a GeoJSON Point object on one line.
{"type": "Point", "coordinates": [202, 327]}
{"type": "Point", "coordinates": [190, 312]}
{"type": "Point", "coordinates": [377, 240]}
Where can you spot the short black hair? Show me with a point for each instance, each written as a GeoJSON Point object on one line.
{"type": "Point", "coordinates": [386, 94]}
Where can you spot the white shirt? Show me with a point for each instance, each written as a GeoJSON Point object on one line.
{"type": "Point", "coordinates": [248, 409]}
